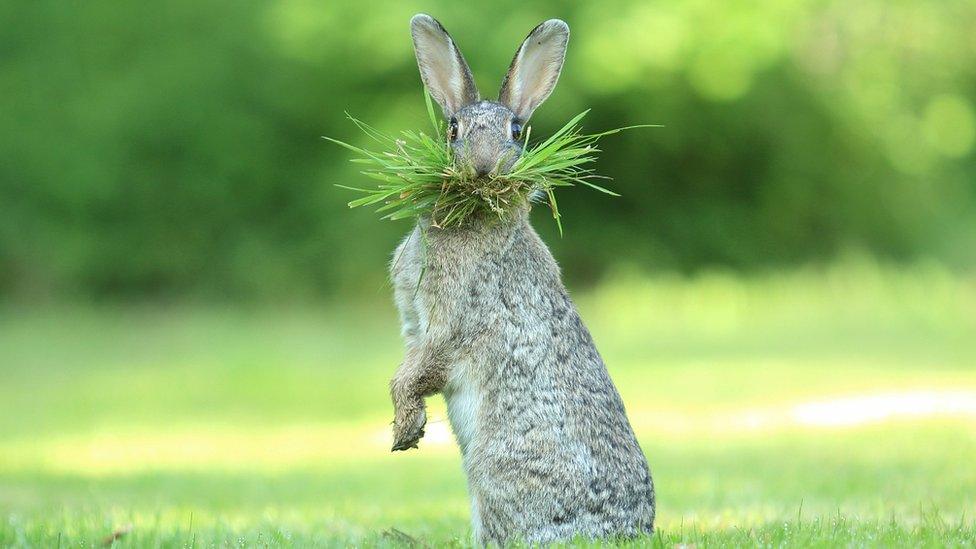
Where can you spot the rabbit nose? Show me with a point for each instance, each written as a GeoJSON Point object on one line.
{"type": "Point", "coordinates": [483, 166]}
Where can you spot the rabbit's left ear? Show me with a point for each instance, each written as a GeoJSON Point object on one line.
{"type": "Point", "coordinates": [535, 68]}
{"type": "Point", "coordinates": [442, 67]}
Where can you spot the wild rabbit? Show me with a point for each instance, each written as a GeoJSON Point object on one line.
{"type": "Point", "coordinates": [546, 444]}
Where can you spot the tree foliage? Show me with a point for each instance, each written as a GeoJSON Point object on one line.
{"type": "Point", "coordinates": [158, 149]}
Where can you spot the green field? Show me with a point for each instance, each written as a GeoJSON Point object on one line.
{"type": "Point", "coordinates": [824, 407]}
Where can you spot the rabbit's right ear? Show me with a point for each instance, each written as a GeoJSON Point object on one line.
{"type": "Point", "coordinates": [442, 67]}
{"type": "Point", "coordinates": [535, 68]}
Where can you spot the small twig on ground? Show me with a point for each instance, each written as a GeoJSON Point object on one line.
{"type": "Point", "coordinates": [116, 534]}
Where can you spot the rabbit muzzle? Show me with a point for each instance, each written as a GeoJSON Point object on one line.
{"type": "Point", "coordinates": [485, 142]}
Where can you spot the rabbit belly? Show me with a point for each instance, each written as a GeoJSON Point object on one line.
{"type": "Point", "coordinates": [463, 405]}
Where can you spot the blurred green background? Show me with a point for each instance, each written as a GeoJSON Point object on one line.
{"type": "Point", "coordinates": [196, 333]}
{"type": "Point", "coordinates": [172, 149]}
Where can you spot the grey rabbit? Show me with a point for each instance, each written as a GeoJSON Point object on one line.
{"type": "Point", "coordinates": [546, 445]}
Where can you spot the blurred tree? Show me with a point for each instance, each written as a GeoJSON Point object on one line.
{"type": "Point", "coordinates": [172, 149]}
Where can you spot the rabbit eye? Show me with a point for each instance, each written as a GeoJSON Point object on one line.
{"type": "Point", "coordinates": [452, 129]}
{"type": "Point", "coordinates": [516, 130]}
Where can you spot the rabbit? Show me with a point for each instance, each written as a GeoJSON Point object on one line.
{"type": "Point", "coordinates": [546, 445]}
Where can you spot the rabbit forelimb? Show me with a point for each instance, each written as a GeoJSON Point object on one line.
{"type": "Point", "coordinates": [423, 373]}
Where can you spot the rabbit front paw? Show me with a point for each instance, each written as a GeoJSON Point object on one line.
{"type": "Point", "coordinates": [408, 428]}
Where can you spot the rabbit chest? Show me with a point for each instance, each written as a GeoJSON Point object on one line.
{"type": "Point", "coordinates": [446, 289]}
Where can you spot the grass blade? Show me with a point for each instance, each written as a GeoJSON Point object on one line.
{"type": "Point", "coordinates": [417, 174]}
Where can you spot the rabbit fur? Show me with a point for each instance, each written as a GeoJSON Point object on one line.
{"type": "Point", "coordinates": [546, 444]}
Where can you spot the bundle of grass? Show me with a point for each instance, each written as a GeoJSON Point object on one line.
{"type": "Point", "coordinates": [418, 175]}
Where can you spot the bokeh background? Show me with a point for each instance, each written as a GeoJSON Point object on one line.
{"type": "Point", "coordinates": [195, 332]}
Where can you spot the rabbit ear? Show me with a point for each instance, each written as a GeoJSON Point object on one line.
{"type": "Point", "coordinates": [535, 68]}
{"type": "Point", "coordinates": [442, 67]}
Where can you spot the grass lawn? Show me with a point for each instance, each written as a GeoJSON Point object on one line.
{"type": "Point", "coordinates": [814, 408]}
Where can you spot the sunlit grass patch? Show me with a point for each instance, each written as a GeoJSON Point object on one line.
{"type": "Point", "coordinates": [814, 407]}
{"type": "Point", "coordinates": [912, 480]}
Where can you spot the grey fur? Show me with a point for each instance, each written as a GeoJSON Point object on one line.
{"type": "Point", "coordinates": [546, 444]}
